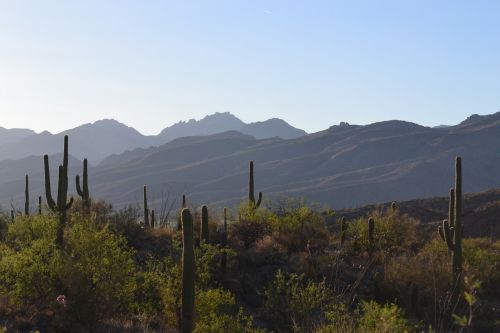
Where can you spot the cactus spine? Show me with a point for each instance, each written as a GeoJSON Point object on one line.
{"type": "Point", "coordinates": [343, 230]}
{"type": "Point", "coordinates": [204, 234]}
{"type": "Point", "coordinates": [83, 192]}
{"type": "Point", "coordinates": [146, 209]}
{"type": "Point", "coordinates": [27, 197]}
{"type": "Point", "coordinates": [188, 271]}
{"type": "Point", "coordinates": [452, 229]}
{"type": "Point", "coordinates": [251, 192]}
{"type": "Point", "coordinates": [371, 230]}
{"type": "Point", "coordinates": [62, 205]}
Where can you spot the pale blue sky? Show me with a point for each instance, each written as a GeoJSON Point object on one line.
{"type": "Point", "coordinates": [313, 63]}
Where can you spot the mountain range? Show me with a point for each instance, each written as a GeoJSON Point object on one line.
{"type": "Point", "coordinates": [106, 137]}
{"type": "Point", "coordinates": [342, 166]}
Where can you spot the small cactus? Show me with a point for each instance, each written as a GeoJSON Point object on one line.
{"type": "Point", "coordinates": [27, 197]}
{"type": "Point", "coordinates": [62, 205]}
{"type": "Point", "coordinates": [371, 231]}
{"type": "Point", "coordinates": [204, 233]}
{"type": "Point", "coordinates": [343, 230]}
{"type": "Point", "coordinates": [251, 192]}
{"type": "Point", "coordinates": [188, 272]}
{"type": "Point", "coordinates": [83, 192]}
{"type": "Point", "coordinates": [146, 209]}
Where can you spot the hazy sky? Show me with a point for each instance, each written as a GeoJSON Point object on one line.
{"type": "Point", "coordinates": [313, 63]}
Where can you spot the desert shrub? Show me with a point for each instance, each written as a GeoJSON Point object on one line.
{"type": "Point", "coordinates": [4, 226]}
{"type": "Point", "coordinates": [98, 273]}
{"type": "Point", "coordinates": [393, 232]}
{"type": "Point", "coordinates": [27, 229]}
{"type": "Point", "coordinates": [296, 227]}
{"type": "Point", "coordinates": [252, 226]}
{"type": "Point", "coordinates": [292, 301]}
{"type": "Point", "coordinates": [217, 312]}
{"type": "Point", "coordinates": [387, 318]}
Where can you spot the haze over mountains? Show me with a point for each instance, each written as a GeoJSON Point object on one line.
{"type": "Point", "coordinates": [343, 166]}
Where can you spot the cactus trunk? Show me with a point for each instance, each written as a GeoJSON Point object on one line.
{"type": "Point", "coordinates": [146, 209]}
{"type": "Point", "coordinates": [188, 272]}
{"type": "Point", "coordinates": [27, 197]}
{"type": "Point", "coordinates": [204, 234]}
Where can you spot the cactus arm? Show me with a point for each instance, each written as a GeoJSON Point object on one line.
{"type": "Point", "coordinates": [257, 205]}
{"type": "Point", "coordinates": [447, 233]}
{"type": "Point", "coordinates": [441, 233]}
{"type": "Point", "coordinates": [70, 203]}
{"type": "Point", "coordinates": [48, 192]}
{"type": "Point", "coordinates": [188, 272]}
{"type": "Point", "coordinates": [78, 188]}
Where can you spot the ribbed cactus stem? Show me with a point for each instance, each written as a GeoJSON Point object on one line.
{"type": "Point", "coordinates": [188, 272]}
{"type": "Point", "coordinates": [27, 197]}
{"type": "Point", "coordinates": [146, 209]}
{"type": "Point", "coordinates": [343, 230]}
{"type": "Point", "coordinates": [204, 234]}
{"type": "Point", "coordinates": [371, 230]}
{"type": "Point", "coordinates": [62, 205]}
{"type": "Point", "coordinates": [83, 191]}
{"type": "Point", "coordinates": [251, 189]}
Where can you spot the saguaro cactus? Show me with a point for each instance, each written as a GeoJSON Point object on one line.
{"type": "Point", "coordinates": [152, 218]}
{"type": "Point", "coordinates": [251, 192]}
{"type": "Point", "coordinates": [83, 192]}
{"type": "Point", "coordinates": [62, 205]}
{"type": "Point", "coordinates": [204, 234]}
{"type": "Point", "coordinates": [27, 197]}
{"type": "Point", "coordinates": [12, 216]}
{"type": "Point", "coordinates": [223, 261]}
{"type": "Point", "coordinates": [451, 230]}
{"type": "Point", "coordinates": [39, 205]}
{"type": "Point", "coordinates": [188, 271]}
{"type": "Point", "coordinates": [184, 205]}
{"type": "Point", "coordinates": [371, 231]}
{"type": "Point", "coordinates": [343, 230]}
{"type": "Point", "coordinates": [146, 209]}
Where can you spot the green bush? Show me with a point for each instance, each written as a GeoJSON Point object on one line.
{"type": "Point", "coordinates": [217, 312]}
{"type": "Point", "coordinates": [291, 301]}
{"type": "Point", "coordinates": [382, 318]}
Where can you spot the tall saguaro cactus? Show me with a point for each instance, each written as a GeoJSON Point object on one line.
{"type": "Point", "coordinates": [223, 261]}
{"type": "Point", "coordinates": [83, 192]}
{"type": "Point", "coordinates": [62, 205]}
{"type": "Point", "coordinates": [188, 271]}
{"type": "Point", "coordinates": [27, 197]}
{"type": "Point", "coordinates": [146, 209]}
{"type": "Point", "coordinates": [39, 205]}
{"type": "Point", "coordinates": [451, 230]}
{"type": "Point", "coordinates": [251, 190]}
{"type": "Point", "coordinates": [204, 233]}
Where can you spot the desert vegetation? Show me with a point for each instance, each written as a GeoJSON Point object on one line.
{"type": "Point", "coordinates": [268, 265]}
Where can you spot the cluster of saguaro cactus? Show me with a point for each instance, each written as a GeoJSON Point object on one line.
{"type": "Point", "coordinates": [251, 192]}
{"type": "Point", "coordinates": [27, 197]}
{"type": "Point", "coordinates": [204, 233]}
{"type": "Point", "coordinates": [188, 271]}
{"type": "Point", "coordinates": [451, 230]}
{"type": "Point", "coordinates": [62, 205]}
{"type": "Point", "coordinates": [83, 191]}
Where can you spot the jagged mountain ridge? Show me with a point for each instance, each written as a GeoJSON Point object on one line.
{"type": "Point", "coordinates": [106, 137]}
